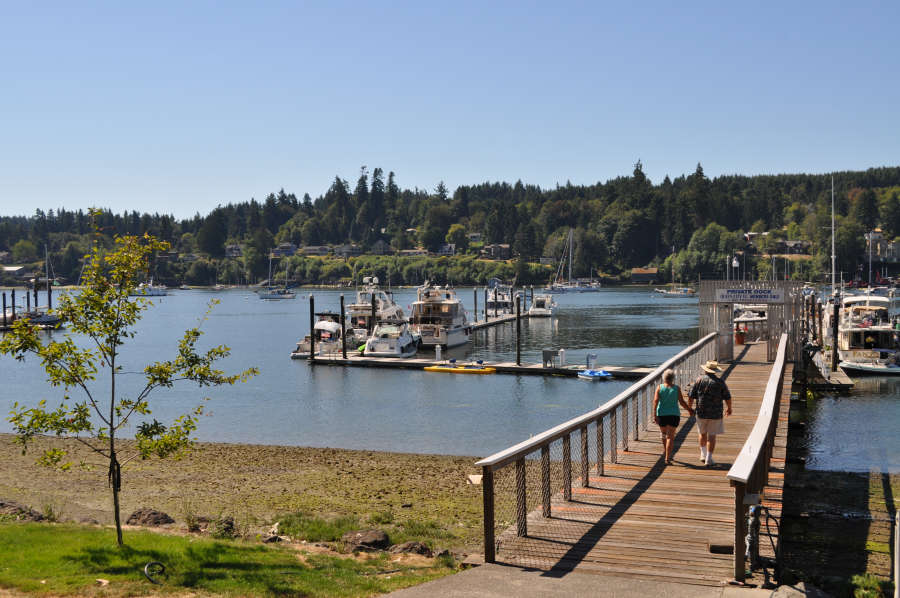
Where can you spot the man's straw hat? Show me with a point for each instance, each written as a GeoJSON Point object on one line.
{"type": "Point", "coordinates": [711, 367]}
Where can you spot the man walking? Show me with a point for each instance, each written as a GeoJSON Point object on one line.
{"type": "Point", "coordinates": [710, 392]}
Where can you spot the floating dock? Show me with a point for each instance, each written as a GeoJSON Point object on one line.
{"type": "Point", "coordinates": [506, 367]}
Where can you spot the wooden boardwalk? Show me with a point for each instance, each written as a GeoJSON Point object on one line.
{"type": "Point", "coordinates": [643, 518]}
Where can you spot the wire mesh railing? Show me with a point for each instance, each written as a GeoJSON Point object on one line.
{"type": "Point", "coordinates": [527, 484]}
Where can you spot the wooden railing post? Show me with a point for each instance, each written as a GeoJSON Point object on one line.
{"type": "Point", "coordinates": [545, 480]}
{"type": "Point", "coordinates": [613, 438]}
{"type": "Point", "coordinates": [634, 407]}
{"type": "Point", "coordinates": [521, 505]}
{"type": "Point", "coordinates": [600, 449]}
{"type": "Point", "coordinates": [739, 541]}
{"type": "Point", "coordinates": [625, 425]}
{"type": "Point", "coordinates": [567, 467]}
{"type": "Point", "coordinates": [487, 484]}
{"type": "Point", "coordinates": [585, 463]}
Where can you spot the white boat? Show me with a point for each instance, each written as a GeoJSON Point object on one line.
{"type": "Point", "coordinates": [276, 292]}
{"type": "Point", "coordinates": [439, 318]}
{"type": "Point", "coordinates": [570, 286]}
{"type": "Point", "coordinates": [148, 289]}
{"type": "Point", "coordinates": [500, 300]}
{"type": "Point", "coordinates": [392, 339]}
{"type": "Point", "coordinates": [677, 292]}
{"type": "Point", "coordinates": [360, 311]}
{"type": "Point", "coordinates": [869, 333]}
{"type": "Point", "coordinates": [327, 335]}
{"type": "Point", "coordinates": [543, 306]}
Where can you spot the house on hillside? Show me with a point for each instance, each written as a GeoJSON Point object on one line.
{"type": "Point", "coordinates": [346, 251]}
{"type": "Point", "coordinates": [284, 250]}
{"type": "Point", "coordinates": [315, 250]}
{"type": "Point", "coordinates": [496, 251]}
{"type": "Point", "coordinates": [797, 247]}
{"type": "Point", "coordinates": [17, 271]}
{"type": "Point", "coordinates": [5, 257]}
{"type": "Point", "coordinates": [234, 250]}
{"type": "Point", "coordinates": [644, 275]}
{"type": "Point", "coordinates": [475, 237]}
{"type": "Point", "coordinates": [413, 252]}
{"type": "Point", "coordinates": [380, 247]}
{"type": "Point", "coordinates": [447, 249]}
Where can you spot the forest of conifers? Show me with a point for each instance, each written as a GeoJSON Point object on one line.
{"type": "Point", "coordinates": [623, 223]}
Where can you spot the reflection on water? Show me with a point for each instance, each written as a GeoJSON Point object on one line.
{"type": "Point", "coordinates": [857, 432]}
{"type": "Point", "coordinates": [398, 410]}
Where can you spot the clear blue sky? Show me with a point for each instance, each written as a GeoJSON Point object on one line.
{"type": "Point", "coordinates": [176, 107]}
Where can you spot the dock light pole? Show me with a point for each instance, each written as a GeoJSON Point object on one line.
{"type": "Point", "coordinates": [312, 328]}
{"type": "Point", "coordinates": [518, 330]}
{"type": "Point", "coordinates": [343, 330]}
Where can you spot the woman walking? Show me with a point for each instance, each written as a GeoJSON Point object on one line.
{"type": "Point", "coordinates": [666, 414]}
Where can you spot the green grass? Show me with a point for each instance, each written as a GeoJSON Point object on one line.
{"type": "Point", "coordinates": [870, 586]}
{"type": "Point", "coordinates": [68, 560]}
{"type": "Point", "coordinates": [302, 526]}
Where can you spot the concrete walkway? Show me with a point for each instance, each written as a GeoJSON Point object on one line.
{"type": "Point", "coordinates": [503, 581]}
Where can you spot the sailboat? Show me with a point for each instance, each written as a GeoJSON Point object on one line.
{"type": "Point", "coordinates": [674, 291]}
{"type": "Point", "coordinates": [276, 292]}
{"type": "Point", "coordinates": [570, 286]}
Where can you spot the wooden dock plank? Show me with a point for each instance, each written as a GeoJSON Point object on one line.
{"type": "Point", "coordinates": [645, 519]}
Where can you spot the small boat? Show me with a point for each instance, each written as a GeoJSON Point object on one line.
{"type": "Point", "coordinates": [594, 375]}
{"type": "Point", "coordinates": [271, 292]}
{"type": "Point", "coordinates": [590, 372]}
{"type": "Point", "coordinates": [543, 306]}
{"type": "Point", "coordinates": [392, 339]}
{"type": "Point", "coordinates": [677, 292]}
{"type": "Point", "coordinates": [327, 334]}
{"type": "Point", "coordinates": [873, 367]}
{"type": "Point", "coordinates": [500, 301]}
{"type": "Point", "coordinates": [360, 312]}
{"type": "Point", "coordinates": [452, 367]}
{"type": "Point", "coordinates": [148, 289]}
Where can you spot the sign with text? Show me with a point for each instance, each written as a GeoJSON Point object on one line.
{"type": "Point", "coordinates": [750, 295]}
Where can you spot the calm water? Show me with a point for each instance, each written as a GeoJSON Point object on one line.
{"type": "Point", "coordinates": [859, 431]}
{"type": "Point", "coordinates": [409, 411]}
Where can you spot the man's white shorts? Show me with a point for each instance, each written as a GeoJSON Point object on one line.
{"type": "Point", "coordinates": [711, 426]}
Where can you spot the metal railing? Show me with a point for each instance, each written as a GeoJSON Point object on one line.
{"type": "Point", "coordinates": [518, 480]}
{"type": "Point", "coordinates": [750, 472]}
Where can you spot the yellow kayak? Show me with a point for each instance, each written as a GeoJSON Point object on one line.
{"type": "Point", "coordinates": [461, 369]}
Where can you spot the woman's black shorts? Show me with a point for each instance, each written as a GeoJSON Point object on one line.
{"type": "Point", "coordinates": [669, 420]}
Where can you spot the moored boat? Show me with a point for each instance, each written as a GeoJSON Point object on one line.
{"type": "Point", "coordinates": [327, 335]}
{"type": "Point", "coordinates": [391, 339]}
{"type": "Point", "coordinates": [542, 306]}
{"type": "Point", "coordinates": [439, 317]}
{"type": "Point", "coordinates": [452, 367]}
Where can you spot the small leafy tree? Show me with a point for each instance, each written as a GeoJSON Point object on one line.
{"type": "Point", "coordinates": [104, 314]}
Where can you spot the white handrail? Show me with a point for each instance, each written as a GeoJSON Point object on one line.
{"type": "Point", "coordinates": [742, 468]}
{"type": "Point", "coordinates": [523, 448]}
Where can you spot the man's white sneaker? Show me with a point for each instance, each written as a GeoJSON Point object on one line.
{"type": "Point", "coordinates": [703, 455]}
{"type": "Point", "coordinates": [709, 461]}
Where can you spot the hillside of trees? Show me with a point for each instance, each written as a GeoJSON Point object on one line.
{"type": "Point", "coordinates": [619, 224]}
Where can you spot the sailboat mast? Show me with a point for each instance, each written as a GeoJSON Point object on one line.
{"type": "Point", "coordinates": [833, 255]}
{"type": "Point", "coordinates": [571, 237]}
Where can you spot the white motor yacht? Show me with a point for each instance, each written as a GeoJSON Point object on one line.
{"type": "Point", "coordinates": [500, 300]}
{"type": "Point", "coordinates": [868, 334]}
{"type": "Point", "coordinates": [439, 317]}
{"type": "Point", "coordinates": [327, 335]}
{"type": "Point", "coordinates": [392, 339]}
{"type": "Point", "coordinates": [360, 311]}
{"type": "Point", "coordinates": [543, 306]}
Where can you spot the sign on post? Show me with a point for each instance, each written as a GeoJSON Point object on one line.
{"type": "Point", "coordinates": [750, 295]}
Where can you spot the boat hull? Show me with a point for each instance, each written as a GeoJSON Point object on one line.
{"type": "Point", "coordinates": [869, 369]}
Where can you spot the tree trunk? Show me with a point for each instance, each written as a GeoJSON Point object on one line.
{"type": "Point", "coordinates": [115, 473]}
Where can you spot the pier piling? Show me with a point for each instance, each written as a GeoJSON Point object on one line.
{"type": "Point", "coordinates": [343, 330]}
{"type": "Point", "coordinates": [518, 330]}
{"type": "Point", "coordinates": [475, 292]}
{"type": "Point", "coordinates": [4, 310]}
{"type": "Point", "coordinates": [312, 328]}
